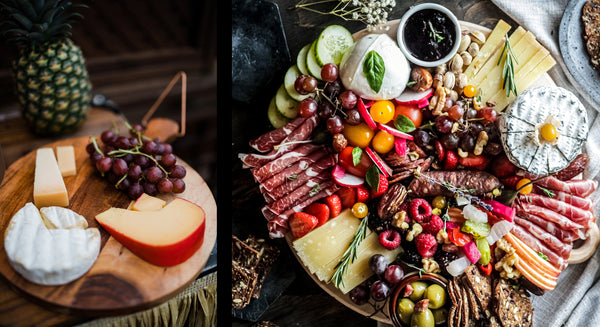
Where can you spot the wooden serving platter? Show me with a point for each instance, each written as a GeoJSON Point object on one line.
{"type": "Point", "coordinates": [119, 282]}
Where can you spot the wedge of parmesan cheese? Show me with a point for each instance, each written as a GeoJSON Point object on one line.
{"type": "Point", "coordinates": [494, 40]}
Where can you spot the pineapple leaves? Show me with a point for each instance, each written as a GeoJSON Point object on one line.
{"type": "Point", "coordinates": [28, 10]}
{"type": "Point", "coordinates": [25, 23]}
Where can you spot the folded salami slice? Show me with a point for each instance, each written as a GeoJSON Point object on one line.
{"type": "Point", "coordinates": [312, 186]}
{"type": "Point", "coordinates": [265, 142]}
{"type": "Point", "coordinates": [564, 235]}
{"type": "Point", "coordinates": [582, 203]}
{"type": "Point", "coordinates": [578, 187]}
{"type": "Point", "coordinates": [277, 227]}
{"type": "Point", "coordinates": [268, 197]}
{"type": "Point", "coordinates": [549, 215]}
{"type": "Point", "coordinates": [553, 243]}
{"type": "Point", "coordinates": [557, 261]}
{"type": "Point", "coordinates": [269, 169]}
{"type": "Point", "coordinates": [580, 216]}
{"type": "Point", "coordinates": [318, 168]}
{"type": "Point", "coordinates": [292, 173]}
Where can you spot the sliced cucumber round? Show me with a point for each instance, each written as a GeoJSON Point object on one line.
{"type": "Point", "coordinates": [286, 106]}
{"type": "Point", "coordinates": [288, 81]}
{"type": "Point", "coordinates": [332, 44]}
{"type": "Point", "coordinates": [314, 68]}
{"type": "Point", "coordinates": [301, 60]}
{"type": "Point", "coordinates": [276, 119]}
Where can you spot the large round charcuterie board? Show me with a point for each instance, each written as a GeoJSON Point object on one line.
{"type": "Point", "coordinates": [118, 282]}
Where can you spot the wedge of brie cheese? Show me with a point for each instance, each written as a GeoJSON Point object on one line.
{"type": "Point", "coordinates": [520, 129]}
{"type": "Point", "coordinates": [53, 250]}
{"type": "Point", "coordinates": [397, 68]}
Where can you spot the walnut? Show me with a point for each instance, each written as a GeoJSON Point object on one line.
{"type": "Point", "coordinates": [430, 265]}
{"type": "Point", "coordinates": [506, 266]}
{"type": "Point", "coordinates": [422, 79]}
{"type": "Point", "coordinates": [399, 220]}
{"type": "Point", "coordinates": [391, 200]}
{"type": "Point", "coordinates": [441, 237]}
{"type": "Point", "coordinates": [440, 93]}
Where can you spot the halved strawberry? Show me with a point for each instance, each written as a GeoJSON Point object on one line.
{"type": "Point", "coordinates": [511, 181]}
{"type": "Point", "coordinates": [383, 186]}
{"type": "Point", "coordinates": [319, 210]}
{"type": "Point", "coordinates": [335, 205]}
{"type": "Point", "coordinates": [502, 167]}
{"type": "Point", "coordinates": [451, 160]}
{"type": "Point", "coordinates": [301, 223]}
{"type": "Point", "coordinates": [362, 194]}
{"type": "Point", "coordinates": [439, 149]}
{"type": "Point", "coordinates": [348, 196]}
{"type": "Point", "coordinates": [484, 164]}
{"type": "Point", "coordinates": [471, 160]}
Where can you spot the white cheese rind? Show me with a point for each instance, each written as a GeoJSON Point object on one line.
{"type": "Point", "coordinates": [531, 108]}
{"type": "Point", "coordinates": [62, 218]}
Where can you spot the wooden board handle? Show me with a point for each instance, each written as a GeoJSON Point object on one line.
{"type": "Point", "coordinates": [587, 249]}
{"type": "Point", "coordinates": [166, 129]}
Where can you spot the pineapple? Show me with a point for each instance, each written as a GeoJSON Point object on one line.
{"type": "Point", "coordinates": [52, 83]}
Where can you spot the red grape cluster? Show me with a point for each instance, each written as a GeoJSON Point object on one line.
{"type": "Point", "coordinates": [136, 164]}
{"type": "Point", "coordinates": [387, 276]}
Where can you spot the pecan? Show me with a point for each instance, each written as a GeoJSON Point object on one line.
{"type": "Point", "coordinates": [400, 176]}
{"type": "Point", "coordinates": [393, 159]}
{"type": "Point", "coordinates": [391, 200]}
{"type": "Point", "coordinates": [413, 147]}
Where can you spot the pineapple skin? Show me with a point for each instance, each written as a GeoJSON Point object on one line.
{"type": "Point", "coordinates": [52, 87]}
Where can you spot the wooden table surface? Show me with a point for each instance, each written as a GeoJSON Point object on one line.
{"type": "Point", "coordinates": [304, 303]}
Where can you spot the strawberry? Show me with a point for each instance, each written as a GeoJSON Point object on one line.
{"type": "Point", "coordinates": [348, 196]}
{"type": "Point", "coordinates": [319, 210]}
{"type": "Point", "coordinates": [451, 160]}
{"type": "Point", "coordinates": [362, 194]}
{"type": "Point", "coordinates": [472, 160]}
{"type": "Point", "coordinates": [335, 205]}
{"type": "Point", "coordinates": [439, 149]}
{"type": "Point", "coordinates": [383, 186]}
{"type": "Point", "coordinates": [484, 164]}
{"type": "Point", "coordinates": [502, 167]}
{"type": "Point", "coordinates": [301, 223]}
{"type": "Point", "coordinates": [511, 181]}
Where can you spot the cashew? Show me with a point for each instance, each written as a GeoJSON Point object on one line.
{"type": "Point", "coordinates": [482, 140]}
{"type": "Point", "coordinates": [462, 154]}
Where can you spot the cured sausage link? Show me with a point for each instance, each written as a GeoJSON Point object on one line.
{"type": "Point", "coordinates": [478, 182]}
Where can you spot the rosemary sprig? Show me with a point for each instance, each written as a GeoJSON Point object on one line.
{"type": "Point", "coordinates": [434, 34]}
{"type": "Point", "coordinates": [420, 270]}
{"type": "Point", "coordinates": [549, 193]}
{"type": "Point", "coordinates": [350, 253]}
{"type": "Point", "coordinates": [508, 71]}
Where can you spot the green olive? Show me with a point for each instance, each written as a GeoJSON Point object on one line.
{"type": "Point", "coordinates": [419, 290]}
{"type": "Point", "coordinates": [422, 319]}
{"type": "Point", "coordinates": [405, 310]}
{"type": "Point", "coordinates": [440, 315]}
{"type": "Point", "coordinates": [436, 296]}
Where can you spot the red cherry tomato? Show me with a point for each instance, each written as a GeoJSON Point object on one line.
{"type": "Point", "coordinates": [487, 269]}
{"type": "Point", "coordinates": [345, 160]}
{"type": "Point", "coordinates": [411, 111]}
{"type": "Point", "coordinates": [458, 238]}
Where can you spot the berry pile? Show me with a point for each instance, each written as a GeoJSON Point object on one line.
{"type": "Point", "coordinates": [136, 164]}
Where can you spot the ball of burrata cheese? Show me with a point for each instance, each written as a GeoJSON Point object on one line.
{"type": "Point", "coordinates": [396, 67]}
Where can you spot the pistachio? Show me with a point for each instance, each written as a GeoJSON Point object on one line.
{"type": "Point", "coordinates": [477, 37]}
{"type": "Point", "coordinates": [422, 78]}
{"type": "Point", "coordinates": [453, 95]}
{"type": "Point", "coordinates": [456, 63]}
{"type": "Point", "coordinates": [465, 40]}
{"type": "Point", "coordinates": [449, 80]}
{"type": "Point", "coordinates": [461, 81]}
{"type": "Point", "coordinates": [391, 200]}
{"type": "Point", "coordinates": [473, 49]}
{"type": "Point", "coordinates": [466, 57]}
{"type": "Point", "coordinates": [441, 69]}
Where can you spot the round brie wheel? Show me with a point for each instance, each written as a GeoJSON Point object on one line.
{"type": "Point", "coordinates": [519, 129]}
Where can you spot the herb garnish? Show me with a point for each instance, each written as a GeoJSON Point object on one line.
{"type": "Point", "coordinates": [404, 124]}
{"type": "Point", "coordinates": [374, 70]}
{"type": "Point", "coordinates": [420, 270]}
{"type": "Point", "coordinates": [356, 155]}
{"type": "Point", "coordinates": [508, 72]}
{"type": "Point", "coordinates": [372, 178]}
{"type": "Point", "coordinates": [292, 177]}
{"type": "Point", "coordinates": [315, 190]}
{"type": "Point", "coordinates": [350, 254]}
{"type": "Point", "coordinates": [411, 83]}
{"type": "Point", "coordinates": [543, 256]}
{"type": "Point", "coordinates": [549, 193]}
{"type": "Point", "coordinates": [436, 35]}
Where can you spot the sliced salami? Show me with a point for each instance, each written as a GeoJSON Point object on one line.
{"type": "Point", "coordinates": [266, 171]}
{"type": "Point", "coordinates": [577, 215]}
{"type": "Point", "coordinates": [265, 142]}
{"type": "Point", "coordinates": [293, 172]}
{"type": "Point", "coordinates": [311, 187]}
{"type": "Point", "coordinates": [320, 168]}
{"type": "Point", "coordinates": [582, 203]}
{"type": "Point", "coordinates": [564, 235]}
{"type": "Point", "coordinates": [578, 187]}
{"type": "Point", "coordinates": [553, 243]}
{"type": "Point", "coordinates": [557, 261]}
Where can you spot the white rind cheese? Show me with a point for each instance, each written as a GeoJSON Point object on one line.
{"type": "Point", "coordinates": [50, 256]}
{"type": "Point", "coordinates": [518, 129]}
{"type": "Point", "coordinates": [397, 68]}
{"type": "Point", "coordinates": [62, 218]}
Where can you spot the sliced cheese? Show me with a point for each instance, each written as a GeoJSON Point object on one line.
{"type": "Point", "coordinates": [494, 40]}
{"type": "Point", "coordinates": [66, 160]}
{"type": "Point", "coordinates": [147, 203]}
{"type": "Point", "coordinates": [485, 71]}
{"type": "Point", "coordinates": [48, 187]}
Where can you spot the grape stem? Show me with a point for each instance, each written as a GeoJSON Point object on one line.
{"type": "Point", "coordinates": [120, 180]}
{"type": "Point", "coordinates": [121, 151]}
{"type": "Point", "coordinates": [96, 145]}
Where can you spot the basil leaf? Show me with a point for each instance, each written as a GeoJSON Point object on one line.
{"type": "Point", "coordinates": [411, 83]}
{"type": "Point", "coordinates": [356, 155]}
{"type": "Point", "coordinates": [374, 69]}
{"type": "Point", "coordinates": [404, 124]}
{"type": "Point", "coordinates": [372, 177]}
{"type": "Point", "coordinates": [543, 256]}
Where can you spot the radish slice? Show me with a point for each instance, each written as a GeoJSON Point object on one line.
{"type": "Point", "coordinates": [472, 252]}
{"type": "Point", "coordinates": [458, 266]}
{"type": "Point", "coordinates": [451, 225]}
{"type": "Point", "coordinates": [369, 104]}
{"type": "Point", "coordinates": [507, 213]}
{"type": "Point", "coordinates": [421, 99]}
{"type": "Point", "coordinates": [394, 132]}
{"type": "Point", "coordinates": [365, 114]}
{"type": "Point", "coordinates": [400, 146]}
{"type": "Point", "coordinates": [346, 179]}
{"type": "Point", "coordinates": [383, 167]}
{"type": "Point", "coordinates": [498, 231]}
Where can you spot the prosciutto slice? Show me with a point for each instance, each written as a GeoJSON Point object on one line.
{"type": "Point", "coordinates": [582, 217]}
{"type": "Point", "coordinates": [565, 236]}
{"type": "Point", "coordinates": [312, 186]}
{"type": "Point", "coordinates": [277, 227]}
{"type": "Point", "coordinates": [553, 243]}
{"type": "Point", "coordinates": [578, 187]}
{"type": "Point", "coordinates": [296, 169]}
{"type": "Point", "coordinates": [265, 142]}
{"type": "Point", "coordinates": [557, 261]}
{"type": "Point", "coordinates": [277, 165]}
{"type": "Point", "coordinates": [321, 167]}
{"type": "Point", "coordinates": [582, 203]}
{"type": "Point", "coordinates": [549, 215]}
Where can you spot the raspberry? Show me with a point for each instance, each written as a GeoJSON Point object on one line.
{"type": "Point", "coordinates": [426, 244]}
{"type": "Point", "coordinates": [433, 226]}
{"type": "Point", "coordinates": [390, 239]}
{"type": "Point", "coordinates": [419, 210]}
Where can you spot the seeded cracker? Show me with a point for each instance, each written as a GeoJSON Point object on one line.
{"type": "Point", "coordinates": [242, 286]}
{"type": "Point", "coordinates": [243, 254]}
{"type": "Point", "coordinates": [481, 286]}
{"type": "Point", "coordinates": [268, 254]}
{"type": "Point", "coordinates": [451, 315]}
{"type": "Point", "coordinates": [465, 304]}
{"type": "Point", "coordinates": [473, 304]}
{"type": "Point", "coordinates": [512, 307]}
{"type": "Point", "coordinates": [458, 319]}
{"type": "Point", "coordinates": [451, 289]}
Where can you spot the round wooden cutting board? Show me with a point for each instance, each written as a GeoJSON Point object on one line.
{"type": "Point", "coordinates": [119, 282]}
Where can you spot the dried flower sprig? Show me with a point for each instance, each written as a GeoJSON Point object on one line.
{"type": "Point", "coordinates": [371, 12]}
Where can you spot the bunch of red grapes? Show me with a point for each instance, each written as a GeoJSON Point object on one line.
{"type": "Point", "coordinates": [136, 164]}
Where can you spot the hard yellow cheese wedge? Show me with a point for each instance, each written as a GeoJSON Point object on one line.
{"type": "Point", "coordinates": [48, 187]}
{"type": "Point", "coordinates": [66, 160]}
{"type": "Point", "coordinates": [491, 64]}
{"type": "Point", "coordinates": [495, 39]}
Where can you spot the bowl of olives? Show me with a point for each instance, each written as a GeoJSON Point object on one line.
{"type": "Point", "coordinates": [419, 301]}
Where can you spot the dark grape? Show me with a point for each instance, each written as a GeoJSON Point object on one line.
{"type": "Point", "coordinates": [348, 99]}
{"type": "Point", "coordinates": [307, 107]}
{"type": "Point", "coordinates": [149, 147]}
{"type": "Point", "coordinates": [335, 125]}
{"type": "Point", "coordinates": [128, 158]}
{"type": "Point", "coordinates": [165, 186]}
{"type": "Point", "coordinates": [124, 186]}
{"type": "Point", "coordinates": [393, 274]}
{"type": "Point", "coordinates": [329, 72]}
{"type": "Point", "coordinates": [112, 177]}
{"type": "Point", "coordinates": [353, 117]}
{"type": "Point", "coordinates": [325, 110]}
{"type": "Point", "coordinates": [150, 188]}
{"type": "Point", "coordinates": [133, 142]}
{"type": "Point", "coordinates": [119, 167]}
{"type": "Point", "coordinates": [122, 142]}
{"type": "Point", "coordinates": [108, 149]}
{"type": "Point", "coordinates": [443, 124]}
{"type": "Point", "coordinates": [299, 84]}
{"type": "Point", "coordinates": [135, 190]}
{"type": "Point", "coordinates": [380, 290]}
{"type": "Point", "coordinates": [488, 113]}
{"type": "Point", "coordinates": [135, 172]}
{"type": "Point", "coordinates": [378, 264]}
{"type": "Point", "coordinates": [449, 141]}
{"type": "Point", "coordinates": [422, 138]}
{"type": "Point", "coordinates": [456, 112]}
{"type": "Point", "coordinates": [168, 148]}
{"type": "Point", "coordinates": [153, 174]}
{"type": "Point", "coordinates": [168, 160]}
{"type": "Point", "coordinates": [359, 295]}
{"type": "Point", "coordinates": [141, 160]}
{"type": "Point", "coordinates": [475, 128]}
{"type": "Point", "coordinates": [492, 149]}
{"type": "Point", "coordinates": [333, 88]}
{"type": "Point", "coordinates": [178, 185]}
{"type": "Point", "coordinates": [309, 84]}
{"type": "Point", "coordinates": [108, 137]}
{"type": "Point", "coordinates": [471, 113]}
{"type": "Point", "coordinates": [160, 150]}
{"type": "Point", "coordinates": [104, 164]}
{"type": "Point", "coordinates": [448, 104]}
{"type": "Point", "coordinates": [467, 143]}
{"type": "Point", "coordinates": [135, 129]}
{"type": "Point", "coordinates": [90, 148]}
{"type": "Point", "coordinates": [94, 157]}
{"type": "Point", "coordinates": [492, 132]}
{"type": "Point", "coordinates": [177, 172]}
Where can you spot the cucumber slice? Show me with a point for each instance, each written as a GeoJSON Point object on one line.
{"type": "Point", "coordinates": [332, 44]}
{"type": "Point", "coordinates": [276, 119]}
{"type": "Point", "coordinates": [314, 68]}
{"type": "Point", "coordinates": [301, 60]}
{"type": "Point", "coordinates": [286, 106]}
{"type": "Point", "coordinates": [288, 81]}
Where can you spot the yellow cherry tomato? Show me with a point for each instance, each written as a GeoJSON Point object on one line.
{"type": "Point", "coordinates": [358, 135]}
{"type": "Point", "coordinates": [549, 132]}
{"type": "Point", "coordinates": [382, 111]}
{"type": "Point", "coordinates": [439, 202]}
{"type": "Point", "coordinates": [524, 186]}
{"type": "Point", "coordinates": [469, 91]}
{"type": "Point", "coordinates": [360, 210]}
{"type": "Point", "coordinates": [383, 142]}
